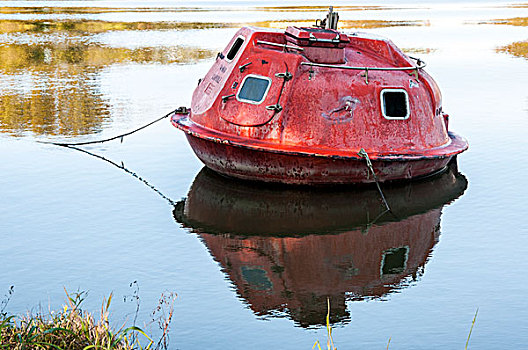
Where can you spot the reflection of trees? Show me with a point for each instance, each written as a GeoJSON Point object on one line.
{"type": "Point", "coordinates": [418, 50]}
{"type": "Point", "coordinates": [517, 21]}
{"type": "Point", "coordinates": [63, 97]}
{"type": "Point", "coordinates": [343, 24]}
{"type": "Point", "coordinates": [40, 57]}
{"type": "Point", "coordinates": [95, 27]}
{"type": "Point", "coordinates": [517, 49]}
{"type": "Point", "coordinates": [77, 10]}
{"type": "Point", "coordinates": [62, 101]}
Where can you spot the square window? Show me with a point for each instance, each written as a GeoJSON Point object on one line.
{"type": "Point", "coordinates": [394, 261]}
{"type": "Point", "coordinates": [395, 104]}
{"type": "Point", "coordinates": [254, 89]}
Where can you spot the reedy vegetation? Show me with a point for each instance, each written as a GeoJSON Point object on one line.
{"type": "Point", "coordinates": [73, 329]}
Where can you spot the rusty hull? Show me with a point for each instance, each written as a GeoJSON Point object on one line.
{"type": "Point", "coordinates": [236, 157]}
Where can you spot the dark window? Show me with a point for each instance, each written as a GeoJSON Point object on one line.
{"type": "Point", "coordinates": [256, 278]}
{"type": "Point", "coordinates": [395, 104]}
{"type": "Point", "coordinates": [394, 261]}
{"type": "Point", "coordinates": [253, 89]}
{"type": "Point", "coordinates": [234, 49]}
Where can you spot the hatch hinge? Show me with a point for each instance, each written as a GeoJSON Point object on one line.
{"type": "Point", "coordinates": [243, 67]}
{"type": "Point", "coordinates": [335, 40]}
{"type": "Point", "coordinates": [276, 108]}
{"type": "Point", "coordinates": [286, 76]}
{"type": "Point", "coordinates": [365, 74]}
{"type": "Point", "coordinates": [227, 97]}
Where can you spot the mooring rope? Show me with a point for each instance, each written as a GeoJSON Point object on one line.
{"type": "Point", "coordinates": [362, 153]}
{"type": "Point", "coordinates": [180, 110]}
{"type": "Point", "coordinates": [122, 167]}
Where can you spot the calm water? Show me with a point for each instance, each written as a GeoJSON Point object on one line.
{"type": "Point", "coordinates": [253, 266]}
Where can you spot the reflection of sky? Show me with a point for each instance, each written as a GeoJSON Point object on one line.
{"type": "Point", "coordinates": [214, 39]}
{"type": "Point", "coordinates": [247, 4]}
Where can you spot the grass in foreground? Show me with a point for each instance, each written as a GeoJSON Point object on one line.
{"type": "Point", "coordinates": [72, 329]}
{"type": "Point", "coordinates": [330, 341]}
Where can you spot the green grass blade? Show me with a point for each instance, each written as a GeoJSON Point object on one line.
{"type": "Point", "coordinates": [109, 301]}
{"type": "Point", "coordinates": [49, 345]}
{"type": "Point", "coordinates": [318, 346]}
{"type": "Point", "coordinates": [53, 330]}
{"type": "Point", "coordinates": [471, 329]}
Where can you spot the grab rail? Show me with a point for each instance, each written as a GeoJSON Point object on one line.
{"type": "Point", "coordinates": [420, 64]}
{"type": "Point", "coordinates": [284, 46]}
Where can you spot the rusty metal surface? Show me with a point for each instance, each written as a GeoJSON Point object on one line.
{"type": "Point", "coordinates": [297, 168]}
{"type": "Point", "coordinates": [319, 112]}
{"type": "Point", "coordinates": [300, 166]}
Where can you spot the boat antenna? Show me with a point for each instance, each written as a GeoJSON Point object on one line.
{"type": "Point", "coordinates": [331, 19]}
{"type": "Point", "coordinates": [330, 22]}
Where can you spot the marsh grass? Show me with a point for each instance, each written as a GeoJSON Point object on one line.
{"type": "Point", "coordinates": [73, 329]}
{"type": "Point", "coordinates": [329, 340]}
{"type": "Point", "coordinates": [471, 329]}
{"type": "Point", "coordinates": [5, 301]}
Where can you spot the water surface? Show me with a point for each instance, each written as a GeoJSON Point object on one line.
{"type": "Point", "coordinates": [253, 266]}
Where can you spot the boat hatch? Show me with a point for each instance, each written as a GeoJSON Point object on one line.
{"type": "Point", "coordinates": [318, 37]}
{"type": "Point", "coordinates": [319, 45]}
{"type": "Point", "coordinates": [253, 89]}
{"type": "Point", "coordinates": [394, 103]}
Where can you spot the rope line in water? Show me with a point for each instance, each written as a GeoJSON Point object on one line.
{"type": "Point", "coordinates": [362, 153]}
{"type": "Point", "coordinates": [122, 167]}
{"type": "Point", "coordinates": [182, 110]}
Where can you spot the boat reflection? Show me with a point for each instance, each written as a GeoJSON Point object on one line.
{"type": "Point", "coordinates": [289, 249]}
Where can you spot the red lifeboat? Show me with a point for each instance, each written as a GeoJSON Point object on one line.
{"type": "Point", "coordinates": [316, 106]}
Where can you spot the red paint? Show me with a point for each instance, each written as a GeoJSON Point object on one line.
{"type": "Point", "coordinates": [327, 114]}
